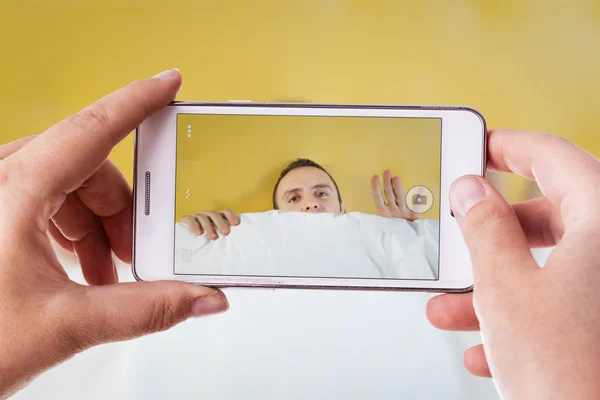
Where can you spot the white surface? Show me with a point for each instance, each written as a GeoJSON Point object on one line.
{"type": "Point", "coordinates": [276, 243]}
{"type": "Point", "coordinates": [462, 154]}
{"type": "Point", "coordinates": [281, 344]}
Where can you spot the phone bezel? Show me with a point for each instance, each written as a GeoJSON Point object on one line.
{"type": "Point", "coordinates": [463, 152]}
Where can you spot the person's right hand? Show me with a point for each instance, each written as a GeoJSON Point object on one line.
{"type": "Point", "coordinates": [209, 221]}
{"type": "Point", "coordinates": [540, 326]}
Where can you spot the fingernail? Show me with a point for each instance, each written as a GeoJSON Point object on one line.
{"type": "Point", "coordinates": [225, 231]}
{"type": "Point", "coordinates": [167, 74]}
{"type": "Point", "coordinates": [465, 193]}
{"type": "Point", "coordinates": [211, 304]}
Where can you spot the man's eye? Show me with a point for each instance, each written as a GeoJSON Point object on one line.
{"type": "Point", "coordinates": [321, 194]}
{"type": "Point", "coordinates": [293, 199]}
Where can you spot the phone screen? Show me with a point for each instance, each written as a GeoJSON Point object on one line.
{"type": "Point", "coordinates": [308, 196]}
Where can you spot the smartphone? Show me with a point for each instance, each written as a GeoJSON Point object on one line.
{"type": "Point", "coordinates": [304, 195]}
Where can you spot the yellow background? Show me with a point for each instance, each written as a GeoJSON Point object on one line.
{"type": "Point", "coordinates": [529, 64]}
{"type": "Point", "coordinates": [233, 162]}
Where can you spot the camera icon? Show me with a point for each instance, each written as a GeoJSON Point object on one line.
{"type": "Point", "coordinates": [419, 199]}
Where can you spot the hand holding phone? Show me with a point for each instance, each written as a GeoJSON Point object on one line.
{"type": "Point", "coordinates": [61, 184]}
{"type": "Point", "coordinates": [540, 326]}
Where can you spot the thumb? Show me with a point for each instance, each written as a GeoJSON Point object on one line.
{"type": "Point", "coordinates": [498, 246]}
{"type": "Point", "coordinates": [128, 310]}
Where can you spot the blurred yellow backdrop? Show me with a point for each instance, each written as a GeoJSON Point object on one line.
{"type": "Point", "coordinates": [525, 64]}
{"type": "Point", "coordinates": [233, 162]}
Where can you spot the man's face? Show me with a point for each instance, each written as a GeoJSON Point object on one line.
{"type": "Point", "coordinates": [308, 189]}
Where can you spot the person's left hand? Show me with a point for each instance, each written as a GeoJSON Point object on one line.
{"type": "Point", "coordinates": [60, 183]}
{"type": "Point", "coordinates": [394, 204]}
{"type": "Point", "coordinates": [209, 222]}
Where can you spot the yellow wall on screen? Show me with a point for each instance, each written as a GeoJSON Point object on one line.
{"type": "Point", "coordinates": [233, 162]}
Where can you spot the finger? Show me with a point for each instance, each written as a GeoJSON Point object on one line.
{"type": "Point", "coordinates": [540, 222]}
{"type": "Point", "coordinates": [389, 191]}
{"type": "Point", "coordinates": [84, 230]}
{"type": "Point", "coordinates": [400, 199]}
{"type": "Point", "coordinates": [476, 362]}
{"type": "Point", "coordinates": [412, 216]}
{"type": "Point", "coordinates": [218, 220]}
{"type": "Point", "coordinates": [564, 172]}
{"type": "Point", "coordinates": [107, 194]}
{"type": "Point", "coordinates": [232, 217]}
{"type": "Point", "coordinates": [59, 238]}
{"type": "Point", "coordinates": [72, 150]}
{"type": "Point", "coordinates": [453, 312]}
{"type": "Point", "coordinates": [101, 314]}
{"type": "Point", "coordinates": [398, 192]}
{"type": "Point", "coordinates": [377, 196]}
{"type": "Point", "coordinates": [193, 224]}
{"type": "Point", "coordinates": [207, 226]}
{"type": "Point", "coordinates": [12, 147]}
{"type": "Point", "coordinates": [498, 247]}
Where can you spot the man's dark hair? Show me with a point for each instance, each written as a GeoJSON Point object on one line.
{"type": "Point", "coordinates": [299, 163]}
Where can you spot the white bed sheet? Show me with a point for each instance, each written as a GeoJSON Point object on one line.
{"type": "Point", "coordinates": [276, 243]}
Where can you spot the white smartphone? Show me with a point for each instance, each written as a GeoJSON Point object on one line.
{"type": "Point", "coordinates": [304, 195]}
